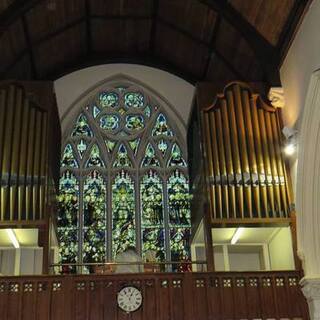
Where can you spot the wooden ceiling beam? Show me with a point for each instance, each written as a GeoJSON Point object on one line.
{"type": "Point", "coordinates": [106, 58]}
{"type": "Point", "coordinates": [290, 28]}
{"type": "Point", "coordinates": [209, 45]}
{"type": "Point", "coordinates": [265, 52]}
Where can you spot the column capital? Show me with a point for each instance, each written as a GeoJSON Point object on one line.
{"type": "Point", "coordinates": [311, 290]}
{"type": "Point", "coordinates": [276, 97]}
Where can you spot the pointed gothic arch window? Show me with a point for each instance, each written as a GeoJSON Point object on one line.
{"type": "Point", "coordinates": [124, 180]}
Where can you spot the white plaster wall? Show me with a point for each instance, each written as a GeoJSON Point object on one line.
{"type": "Point", "coordinates": [302, 60]}
{"type": "Point", "coordinates": [280, 251]}
{"type": "Point", "coordinates": [175, 90]}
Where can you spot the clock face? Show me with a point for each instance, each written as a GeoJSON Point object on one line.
{"type": "Point", "coordinates": [129, 299]}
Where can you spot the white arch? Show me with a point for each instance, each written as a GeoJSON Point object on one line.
{"type": "Point", "coordinates": [168, 87]}
{"type": "Point", "coordinates": [308, 181]}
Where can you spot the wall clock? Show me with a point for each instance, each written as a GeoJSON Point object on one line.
{"type": "Point", "coordinates": [129, 299]}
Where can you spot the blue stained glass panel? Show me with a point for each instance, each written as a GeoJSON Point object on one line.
{"type": "Point", "coordinates": [150, 158]}
{"type": "Point", "coordinates": [94, 158]}
{"type": "Point", "coordinates": [82, 127]}
{"type": "Point", "coordinates": [68, 159]}
{"type": "Point", "coordinates": [122, 158]}
{"type": "Point", "coordinates": [176, 158]}
{"type": "Point", "coordinates": [161, 127]}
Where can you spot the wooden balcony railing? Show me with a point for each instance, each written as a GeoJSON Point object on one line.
{"type": "Point", "coordinates": [232, 295]}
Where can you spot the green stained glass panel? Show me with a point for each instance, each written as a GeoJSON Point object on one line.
{"type": "Point", "coordinates": [122, 158]}
{"type": "Point", "coordinates": [82, 127]}
{"type": "Point", "coordinates": [151, 200]}
{"type": "Point", "coordinates": [176, 158]}
{"type": "Point", "coordinates": [180, 244]}
{"type": "Point", "coordinates": [110, 145]}
{"type": "Point", "coordinates": [179, 200]}
{"type": "Point", "coordinates": [68, 246]}
{"type": "Point", "coordinates": [109, 99]}
{"type": "Point", "coordinates": [68, 159]}
{"type": "Point", "coordinates": [68, 206]}
{"type": "Point", "coordinates": [150, 159]}
{"type": "Point", "coordinates": [134, 122]}
{"type": "Point", "coordinates": [94, 218]}
{"type": "Point", "coordinates": [94, 158]}
{"type": "Point", "coordinates": [134, 100]}
{"type": "Point", "coordinates": [147, 111]}
{"type": "Point", "coordinates": [121, 89]}
{"type": "Point", "coordinates": [68, 200]}
{"type": "Point", "coordinates": [109, 122]}
{"type": "Point", "coordinates": [123, 213]}
{"type": "Point", "coordinates": [94, 245]}
{"type": "Point", "coordinates": [162, 146]}
{"type": "Point", "coordinates": [81, 147]}
{"type": "Point", "coordinates": [153, 240]}
{"type": "Point", "coordinates": [134, 145]}
{"type": "Point", "coordinates": [95, 111]}
{"type": "Point", "coordinates": [161, 127]}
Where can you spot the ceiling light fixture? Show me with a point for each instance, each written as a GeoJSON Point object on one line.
{"type": "Point", "coordinates": [13, 238]}
{"type": "Point", "coordinates": [237, 235]}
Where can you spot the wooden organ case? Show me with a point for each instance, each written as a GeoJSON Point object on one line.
{"type": "Point", "coordinates": [241, 178]}
{"type": "Point", "coordinates": [29, 156]}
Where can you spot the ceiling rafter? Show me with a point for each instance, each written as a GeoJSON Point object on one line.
{"type": "Point", "coordinates": [203, 43]}
{"type": "Point", "coordinates": [266, 53]}
{"type": "Point", "coordinates": [29, 47]}
{"type": "Point", "coordinates": [212, 45]}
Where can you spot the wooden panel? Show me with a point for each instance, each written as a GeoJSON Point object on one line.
{"type": "Point", "coordinates": [12, 44]}
{"type": "Point", "coordinates": [192, 16]}
{"type": "Point", "coordinates": [48, 16]}
{"type": "Point", "coordinates": [116, 36]}
{"type": "Point", "coordinates": [237, 51]}
{"type": "Point", "coordinates": [63, 48]}
{"type": "Point", "coordinates": [134, 8]}
{"type": "Point", "coordinates": [186, 53]}
{"type": "Point", "coordinates": [165, 296]}
{"type": "Point", "coordinates": [268, 17]}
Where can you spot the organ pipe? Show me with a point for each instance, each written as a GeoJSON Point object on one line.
{"type": "Point", "coordinates": [247, 174]}
{"type": "Point", "coordinates": [24, 146]}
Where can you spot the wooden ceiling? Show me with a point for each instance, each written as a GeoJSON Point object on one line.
{"type": "Point", "coordinates": [212, 40]}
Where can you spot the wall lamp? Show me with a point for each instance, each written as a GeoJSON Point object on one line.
{"type": "Point", "coordinates": [290, 146]}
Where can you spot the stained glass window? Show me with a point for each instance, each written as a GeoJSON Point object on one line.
{"type": "Point", "coordinates": [123, 181]}
{"type": "Point", "coordinates": [123, 213]}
